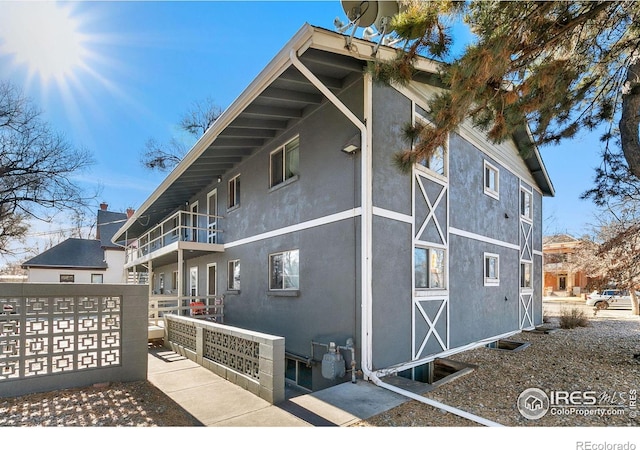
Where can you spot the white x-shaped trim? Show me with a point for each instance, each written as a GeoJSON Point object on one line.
{"type": "Point", "coordinates": [525, 301]}
{"type": "Point", "coordinates": [526, 234]}
{"type": "Point", "coordinates": [432, 210]}
{"type": "Point", "coordinates": [431, 325]}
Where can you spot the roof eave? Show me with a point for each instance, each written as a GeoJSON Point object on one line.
{"type": "Point", "coordinates": [277, 65]}
{"type": "Point", "coordinates": [540, 173]}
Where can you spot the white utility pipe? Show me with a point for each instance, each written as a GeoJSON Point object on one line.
{"type": "Point", "coordinates": [366, 251]}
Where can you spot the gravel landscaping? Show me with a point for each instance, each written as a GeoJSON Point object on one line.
{"type": "Point", "coordinates": [597, 359]}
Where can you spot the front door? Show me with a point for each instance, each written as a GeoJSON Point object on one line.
{"type": "Point", "coordinates": [562, 282]}
{"type": "Point", "coordinates": [193, 281]}
{"type": "Point", "coordinates": [211, 280]}
{"type": "Point", "coordinates": [212, 212]}
{"type": "Point", "coordinates": [194, 222]}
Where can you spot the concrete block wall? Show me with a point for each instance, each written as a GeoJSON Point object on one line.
{"type": "Point", "coordinates": [269, 382]}
{"type": "Point", "coordinates": [128, 337]}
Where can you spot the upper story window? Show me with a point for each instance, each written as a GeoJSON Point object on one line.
{"type": "Point", "coordinates": [491, 269]}
{"type": "Point", "coordinates": [233, 196]}
{"type": "Point", "coordinates": [437, 161]}
{"type": "Point", "coordinates": [491, 180]}
{"type": "Point", "coordinates": [526, 204]}
{"type": "Point", "coordinates": [284, 271]}
{"type": "Point", "coordinates": [284, 162]}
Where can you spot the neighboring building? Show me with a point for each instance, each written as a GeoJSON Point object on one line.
{"type": "Point", "coordinates": [561, 277]}
{"type": "Point", "coordinates": [291, 206]}
{"type": "Point", "coordinates": [83, 260]}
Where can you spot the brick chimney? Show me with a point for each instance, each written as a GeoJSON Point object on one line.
{"type": "Point", "coordinates": [104, 206]}
{"type": "Point", "coordinates": [130, 212]}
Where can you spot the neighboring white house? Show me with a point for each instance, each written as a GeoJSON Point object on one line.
{"type": "Point", "coordinates": [83, 260]}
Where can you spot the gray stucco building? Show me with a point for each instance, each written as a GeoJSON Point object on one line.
{"type": "Point", "coordinates": [291, 207]}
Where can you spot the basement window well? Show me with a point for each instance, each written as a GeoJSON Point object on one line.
{"type": "Point", "coordinates": [433, 373]}
{"type": "Point", "coordinates": [508, 346]}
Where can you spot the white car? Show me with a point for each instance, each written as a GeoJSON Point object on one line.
{"type": "Point", "coordinates": [610, 298]}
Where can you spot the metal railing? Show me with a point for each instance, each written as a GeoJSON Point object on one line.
{"type": "Point", "coordinates": [209, 307]}
{"type": "Point", "coordinates": [182, 226]}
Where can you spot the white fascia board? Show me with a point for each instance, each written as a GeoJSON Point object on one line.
{"type": "Point", "coordinates": [361, 49]}
{"type": "Point", "coordinates": [536, 151]}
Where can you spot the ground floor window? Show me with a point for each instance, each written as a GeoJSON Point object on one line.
{"type": "Point", "coordinates": [97, 278]}
{"type": "Point", "coordinates": [428, 265]}
{"type": "Point", "coordinates": [299, 373]}
{"type": "Point", "coordinates": [233, 274]}
{"type": "Point", "coordinates": [284, 270]}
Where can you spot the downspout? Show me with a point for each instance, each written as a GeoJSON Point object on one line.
{"type": "Point", "coordinates": [366, 218]}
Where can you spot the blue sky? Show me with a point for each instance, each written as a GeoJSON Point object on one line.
{"type": "Point", "coordinates": [144, 64]}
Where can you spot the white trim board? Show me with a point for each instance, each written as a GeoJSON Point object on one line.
{"type": "Point", "coordinates": [479, 237]}
{"type": "Point", "coordinates": [380, 212]}
{"type": "Point", "coordinates": [348, 214]}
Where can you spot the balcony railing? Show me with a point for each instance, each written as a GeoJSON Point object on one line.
{"type": "Point", "coordinates": [210, 307]}
{"type": "Point", "coordinates": [182, 226]}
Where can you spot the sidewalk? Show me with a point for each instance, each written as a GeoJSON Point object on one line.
{"type": "Point", "coordinates": [216, 402]}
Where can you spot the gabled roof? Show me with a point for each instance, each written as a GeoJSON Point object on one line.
{"type": "Point", "coordinates": [71, 254]}
{"type": "Point", "coordinates": [275, 100]}
{"type": "Point", "coordinates": [108, 224]}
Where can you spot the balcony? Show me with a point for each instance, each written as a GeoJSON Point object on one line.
{"type": "Point", "coordinates": [183, 231]}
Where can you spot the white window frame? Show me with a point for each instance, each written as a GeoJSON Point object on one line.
{"type": "Point", "coordinates": [524, 195]}
{"type": "Point", "coordinates": [282, 149]}
{"type": "Point", "coordinates": [233, 193]}
{"type": "Point", "coordinates": [296, 276]}
{"type": "Point", "coordinates": [430, 286]}
{"type": "Point", "coordinates": [193, 281]}
{"type": "Point", "coordinates": [213, 281]}
{"type": "Point", "coordinates": [445, 150]}
{"type": "Point", "coordinates": [231, 270]}
{"type": "Point", "coordinates": [523, 265]}
{"type": "Point", "coordinates": [494, 193]}
{"type": "Point", "coordinates": [491, 280]}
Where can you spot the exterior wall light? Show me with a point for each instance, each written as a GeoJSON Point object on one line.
{"type": "Point", "coordinates": [352, 145]}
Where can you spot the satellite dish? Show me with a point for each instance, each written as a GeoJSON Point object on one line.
{"type": "Point", "coordinates": [386, 10]}
{"type": "Point", "coordinates": [363, 13]}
